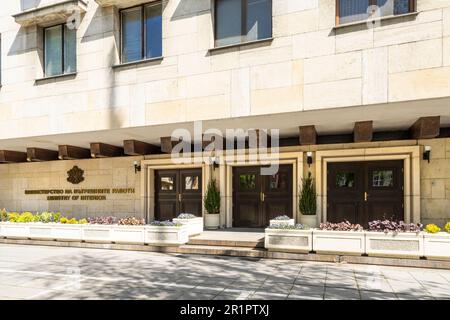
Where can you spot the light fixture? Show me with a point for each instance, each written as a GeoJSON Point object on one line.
{"type": "Point", "coordinates": [427, 153]}
{"type": "Point", "coordinates": [309, 158]}
{"type": "Point", "coordinates": [137, 167]}
{"type": "Point", "coordinates": [214, 161]}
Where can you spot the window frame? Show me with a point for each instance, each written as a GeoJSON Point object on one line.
{"type": "Point", "coordinates": [143, 31]}
{"type": "Point", "coordinates": [412, 8]}
{"type": "Point", "coordinates": [63, 49]}
{"type": "Point", "coordinates": [243, 24]}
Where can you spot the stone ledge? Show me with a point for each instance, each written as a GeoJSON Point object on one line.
{"type": "Point", "coordinates": [243, 252]}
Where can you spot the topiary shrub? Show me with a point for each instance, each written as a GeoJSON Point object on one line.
{"type": "Point", "coordinates": [308, 197]}
{"type": "Point", "coordinates": [212, 199]}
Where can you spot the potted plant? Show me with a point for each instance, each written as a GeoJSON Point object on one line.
{"type": "Point", "coordinates": [212, 206]}
{"type": "Point", "coordinates": [339, 238]}
{"type": "Point", "coordinates": [194, 223]}
{"type": "Point", "coordinates": [308, 202]}
{"type": "Point", "coordinates": [437, 244]}
{"type": "Point", "coordinates": [389, 238]}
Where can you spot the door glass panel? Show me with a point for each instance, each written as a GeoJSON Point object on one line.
{"type": "Point", "coordinates": [167, 183]}
{"type": "Point", "coordinates": [191, 183]}
{"type": "Point", "coordinates": [278, 181]}
{"type": "Point", "coordinates": [345, 179]}
{"type": "Point", "coordinates": [383, 178]}
{"type": "Point", "coordinates": [247, 181]}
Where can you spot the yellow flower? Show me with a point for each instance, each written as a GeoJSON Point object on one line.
{"type": "Point", "coordinates": [432, 228]}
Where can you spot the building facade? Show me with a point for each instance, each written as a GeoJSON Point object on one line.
{"type": "Point", "coordinates": [359, 90]}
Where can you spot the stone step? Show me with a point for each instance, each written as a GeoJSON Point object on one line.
{"type": "Point", "coordinates": [223, 250]}
{"type": "Point", "coordinates": [226, 243]}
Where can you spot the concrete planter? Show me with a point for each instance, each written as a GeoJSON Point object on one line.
{"type": "Point", "coordinates": [310, 221]}
{"type": "Point", "coordinates": [15, 230]}
{"type": "Point", "coordinates": [290, 222]}
{"type": "Point", "coordinates": [340, 242]}
{"type": "Point", "coordinates": [97, 233]}
{"type": "Point", "coordinates": [166, 236]}
{"type": "Point", "coordinates": [288, 240]}
{"type": "Point", "coordinates": [128, 234]}
{"type": "Point", "coordinates": [212, 221]}
{"type": "Point", "coordinates": [404, 244]}
{"type": "Point", "coordinates": [437, 246]}
{"type": "Point", "coordinates": [67, 232]}
{"type": "Point", "coordinates": [194, 225]}
{"type": "Point", "coordinates": [41, 231]}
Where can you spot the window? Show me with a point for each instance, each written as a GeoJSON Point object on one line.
{"type": "Point", "coordinates": [345, 179]}
{"type": "Point", "coordinates": [240, 21]}
{"type": "Point", "coordinates": [141, 32]}
{"type": "Point", "coordinates": [358, 10]}
{"type": "Point", "coordinates": [59, 50]}
{"type": "Point", "coordinates": [383, 178]}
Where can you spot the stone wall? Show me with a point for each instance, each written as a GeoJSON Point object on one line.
{"type": "Point", "coordinates": [405, 58]}
{"type": "Point", "coordinates": [110, 174]}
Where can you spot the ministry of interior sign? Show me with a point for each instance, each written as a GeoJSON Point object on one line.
{"type": "Point", "coordinates": [79, 194]}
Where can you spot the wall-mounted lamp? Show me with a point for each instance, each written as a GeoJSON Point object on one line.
{"type": "Point", "coordinates": [214, 161]}
{"type": "Point", "coordinates": [427, 153]}
{"type": "Point", "coordinates": [137, 167]}
{"type": "Point", "coordinates": [309, 158]}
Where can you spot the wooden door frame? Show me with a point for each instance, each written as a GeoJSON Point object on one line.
{"type": "Point", "coordinates": [410, 156]}
{"type": "Point", "coordinates": [148, 180]}
{"type": "Point", "coordinates": [226, 180]}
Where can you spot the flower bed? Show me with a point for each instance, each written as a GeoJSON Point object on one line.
{"type": "Point", "coordinates": [282, 220]}
{"type": "Point", "coordinates": [193, 223]}
{"type": "Point", "coordinates": [288, 238]}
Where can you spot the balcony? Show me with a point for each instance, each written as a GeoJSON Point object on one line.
{"type": "Point", "coordinates": [53, 13]}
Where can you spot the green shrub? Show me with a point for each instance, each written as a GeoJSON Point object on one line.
{"type": "Point", "coordinates": [212, 198]}
{"type": "Point", "coordinates": [13, 216]}
{"type": "Point", "coordinates": [308, 197]}
{"type": "Point", "coordinates": [26, 217]}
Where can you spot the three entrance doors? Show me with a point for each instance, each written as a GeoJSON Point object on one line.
{"type": "Point", "coordinates": [178, 191]}
{"type": "Point", "coordinates": [361, 192]}
{"type": "Point", "coordinates": [258, 198]}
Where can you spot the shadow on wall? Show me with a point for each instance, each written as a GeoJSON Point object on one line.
{"type": "Point", "coordinates": [190, 8]}
{"type": "Point", "coordinates": [29, 4]}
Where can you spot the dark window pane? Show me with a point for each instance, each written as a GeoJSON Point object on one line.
{"type": "Point", "coordinates": [259, 19]}
{"type": "Point", "coordinates": [247, 181]}
{"type": "Point", "coordinates": [392, 7]}
{"type": "Point", "coordinates": [353, 10]}
{"type": "Point", "coordinates": [131, 35]}
{"type": "Point", "coordinates": [228, 22]}
{"type": "Point", "coordinates": [70, 50]}
{"type": "Point", "coordinates": [383, 178]}
{"type": "Point", "coordinates": [191, 183]}
{"type": "Point", "coordinates": [345, 180]}
{"type": "Point", "coordinates": [167, 183]}
{"type": "Point", "coordinates": [153, 30]}
{"type": "Point", "coordinates": [53, 51]}
{"type": "Point", "coordinates": [278, 181]}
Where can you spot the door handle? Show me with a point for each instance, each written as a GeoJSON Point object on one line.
{"type": "Point", "coordinates": [366, 196]}
{"type": "Point", "coordinates": [262, 196]}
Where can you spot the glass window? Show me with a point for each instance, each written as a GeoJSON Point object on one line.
{"type": "Point", "coordinates": [278, 181]}
{"type": "Point", "coordinates": [383, 178]}
{"type": "Point", "coordinates": [357, 10]}
{"type": "Point", "coordinates": [239, 21]}
{"type": "Point", "coordinates": [142, 33]}
{"type": "Point", "coordinates": [247, 181]}
{"type": "Point", "coordinates": [345, 179]}
{"type": "Point", "coordinates": [60, 50]}
{"type": "Point", "coordinates": [167, 183]}
{"type": "Point", "coordinates": [191, 183]}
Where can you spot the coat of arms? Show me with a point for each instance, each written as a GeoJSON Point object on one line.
{"type": "Point", "coordinates": [75, 175]}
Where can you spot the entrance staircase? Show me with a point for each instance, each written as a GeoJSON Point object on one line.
{"type": "Point", "coordinates": [231, 242]}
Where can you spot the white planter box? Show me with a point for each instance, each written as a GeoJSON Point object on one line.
{"type": "Point", "coordinates": [288, 240]}
{"type": "Point", "coordinates": [15, 230]}
{"type": "Point", "coordinates": [290, 222]}
{"type": "Point", "coordinates": [128, 234]}
{"type": "Point", "coordinates": [67, 232]}
{"type": "Point", "coordinates": [166, 236]}
{"type": "Point", "coordinates": [341, 242]}
{"type": "Point", "coordinates": [402, 244]}
{"type": "Point", "coordinates": [97, 233]}
{"type": "Point", "coordinates": [41, 231]}
{"type": "Point", "coordinates": [195, 225]}
{"type": "Point", "coordinates": [437, 246]}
